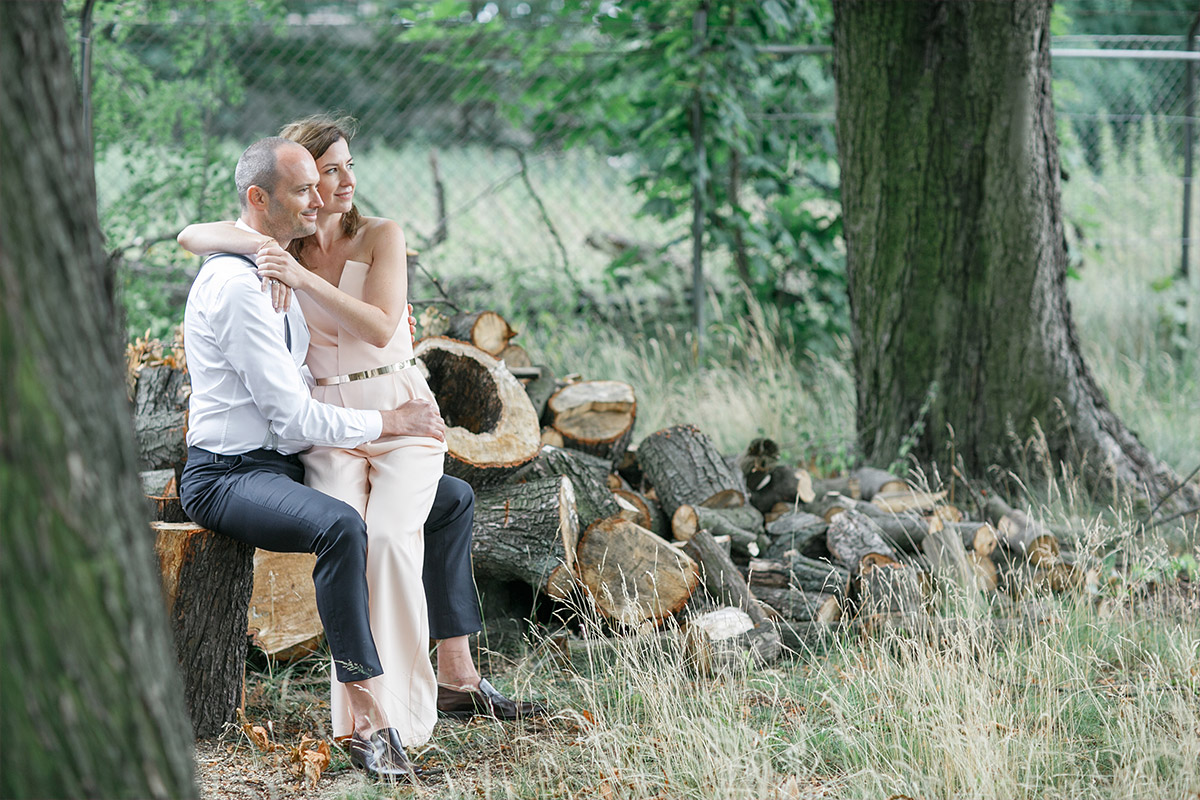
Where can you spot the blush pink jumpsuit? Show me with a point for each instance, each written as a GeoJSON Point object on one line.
{"type": "Point", "coordinates": [392, 483]}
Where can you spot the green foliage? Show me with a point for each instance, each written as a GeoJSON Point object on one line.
{"type": "Point", "coordinates": [168, 72]}
{"type": "Point", "coordinates": [645, 82]}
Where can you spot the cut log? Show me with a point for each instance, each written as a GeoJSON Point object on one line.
{"type": "Point", "coordinates": [160, 405]}
{"type": "Point", "coordinates": [1021, 534]}
{"type": "Point", "coordinates": [743, 525]}
{"type": "Point", "coordinates": [726, 585]}
{"type": "Point", "coordinates": [903, 530]}
{"type": "Point", "coordinates": [486, 330]}
{"type": "Point", "coordinates": [594, 416]}
{"type": "Point", "coordinates": [283, 620]}
{"type": "Point", "coordinates": [716, 640]}
{"type": "Point", "coordinates": [799, 531]}
{"type": "Point", "coordinates": [798, 605]}
{"type": "Point", "coordinates": [632, 575]}
{"type": "Point", "coordinates": [853, 538]}
{"type": "Point", "coordinates": [977, 537]}
{"type": "Point", "coordinates": [206, 587]}
{"type": "Point", "coordinates": [685, 468]}
{"type": "Point", "coordinates": [629, 469]}
{"type": "Point", "coordinates": [808, 574]}
{"type": "Point", "coordinates": [889, 589]}
{"type": "Point", "coordinates": [514, 357]}
{"type": "Point", "coordinates": [552, 437]}
{"type": "Point", "coordinates": [861, 484]}
{"type": "Point", "coordinates": [636, 504]}
{"type": "Point", "coordinates": [948, 558]}
{"type": "Point", "coordinates": [528, 532]}
{"type": "Point", "coordinates": [540, 388]}
{"type": "Point", "coordinates": [593, 498]}
{"type": "Point", "coordinates": [491, 428]}
{"type": "Point", "coordinates": [776, 485]}
{"type": "Point", "coordinates": [908, 500]}
{"type": "Point", "coordinates": [984, 572]}
{"type": "Point", "coordinates": [872, 482]}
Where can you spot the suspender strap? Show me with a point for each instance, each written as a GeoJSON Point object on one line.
{"type": "Point", "coordinates": [287, 329]}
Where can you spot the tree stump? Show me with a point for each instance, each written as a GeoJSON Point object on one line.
{"type": "Point", "coordinates": [486, 330]}
{"type": "Point", "coordinates": [685, 468]}
{"type": "Point", "coordinates": [632, 575]}
{"type": "Point", "coordinates": [594, 416]}
{"type": "Point", "coordinates": [491, 428]}
{"type": "Point", "coordinates": [207, 580]}
{"type": "Point", "coordinates": [160, 405]}
{"type": "Point", "coordinates": [528, 532]}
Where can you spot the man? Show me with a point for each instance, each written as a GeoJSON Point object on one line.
{"type": "Point", "coordinates": [251, 414]}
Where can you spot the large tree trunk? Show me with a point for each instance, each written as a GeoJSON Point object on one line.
{"type": "Point", "coordinates": [956, 257]}
{"type": "Point", "coordinates": [93, 703]}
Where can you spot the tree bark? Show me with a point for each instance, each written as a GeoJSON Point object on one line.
{"type": "Point", "coordinates": [684, 467]}
{"type": "Point", "coordinates": [955, 252]}
{"type": "Point", "coordinates": [160, 403]}
{"type": "Point", "coordinates": [207, 580]}
{"type": "Point", "coordinates": [93, 703]}
{"type": "Point", "coordinates": [528, 532]}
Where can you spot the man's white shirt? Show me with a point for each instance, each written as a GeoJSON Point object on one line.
{"type": "Point", "coordinates": [248, 390]}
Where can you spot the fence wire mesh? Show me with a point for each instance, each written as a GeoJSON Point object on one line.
{"type": "Point", "coordinates": [445, 149]}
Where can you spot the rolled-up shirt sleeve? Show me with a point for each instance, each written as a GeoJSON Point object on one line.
{"type": "Point", "coordinates": [248, 332]}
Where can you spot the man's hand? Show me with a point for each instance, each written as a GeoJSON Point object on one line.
{"type": "Point", "coordinates": [414, 418]}
{"type": "Point", "coordinates": [279, 270]}
{"type": "Point", "coordinates": [412, 323]}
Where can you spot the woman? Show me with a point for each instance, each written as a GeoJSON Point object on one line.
{"type": "Point", "coordinates": [350, 278]}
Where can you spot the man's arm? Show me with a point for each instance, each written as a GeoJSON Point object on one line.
{"type": "Point", "coordinates": [248, 334]}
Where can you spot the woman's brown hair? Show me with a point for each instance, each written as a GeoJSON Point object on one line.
{"type": "Point", "coordinates": [316, 134]}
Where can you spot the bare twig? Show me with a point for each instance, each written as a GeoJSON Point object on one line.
{"type": "Point", "coordinates": [1173, 517]}
{"type": "Point", "coordinates": [437, 285]}
{"type": "Point", "coordinates": [1164, 498]}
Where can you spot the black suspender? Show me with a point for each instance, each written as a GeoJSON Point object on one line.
{"type": "Point", "coordinates": [287, 329]}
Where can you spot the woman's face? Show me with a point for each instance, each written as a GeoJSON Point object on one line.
{"type": "Point", "coordinates": [336, 185]}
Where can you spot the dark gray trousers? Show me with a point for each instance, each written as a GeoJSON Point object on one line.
{"type": "Point", "coordinates": [260, 498]}
{"type": "Point", "coordinates": [449, 583]}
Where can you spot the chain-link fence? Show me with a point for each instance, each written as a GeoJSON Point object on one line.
{"type": "Point", "coordinates": [482, 183]}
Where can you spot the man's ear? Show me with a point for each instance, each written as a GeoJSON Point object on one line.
{"type": "Point", "coordinates": [257, 197]}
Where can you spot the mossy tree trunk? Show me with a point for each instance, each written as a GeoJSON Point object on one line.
{"type": "Point", "coordinates": [92, 703]}
{"type": "Point", "coordinates": [956, 257]}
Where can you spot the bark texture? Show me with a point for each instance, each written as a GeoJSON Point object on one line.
{"type": "Point", "coordinates": [93, 704]}
{"type": "Point", "coordinates": [528, 532]}
{"type": "Point", "coordinates": [955, 252]}
{"type": "Point", "coordinates": [207, 581]}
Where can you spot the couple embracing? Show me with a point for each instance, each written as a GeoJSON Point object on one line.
{"type": "Point", "coordinates": [351, 470]}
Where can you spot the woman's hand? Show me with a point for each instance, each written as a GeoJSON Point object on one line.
{"type": "Point", "coordinates": [281, 273]}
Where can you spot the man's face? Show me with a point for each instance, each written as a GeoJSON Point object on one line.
{"type": "Point", "coordinates": [291, 209]}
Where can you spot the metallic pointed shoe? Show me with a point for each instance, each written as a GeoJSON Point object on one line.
{"type": "Point", "coordinates": [381, 755]}
{"type": "Point", "coordinates": [483, 702]}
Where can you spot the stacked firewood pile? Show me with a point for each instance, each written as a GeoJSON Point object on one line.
{"type": "Point", "coordinates": [569, 504]}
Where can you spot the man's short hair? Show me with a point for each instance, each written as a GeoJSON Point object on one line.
{"type": "Point", "coordinates": [257, 166]}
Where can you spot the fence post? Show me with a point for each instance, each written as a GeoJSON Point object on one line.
{"type": "Point", "coordinates": [1189, 137]}
{"type": "Point", "coordinates": [699, 185]}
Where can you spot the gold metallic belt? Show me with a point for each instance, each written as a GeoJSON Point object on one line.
{"type": "Point", "coordinates": [367, 373]}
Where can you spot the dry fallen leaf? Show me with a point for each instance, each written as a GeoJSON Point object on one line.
{"type": "Point", "coordinates": [309, 759]}
{"type": "Point", "coordinates": [256, 733]}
